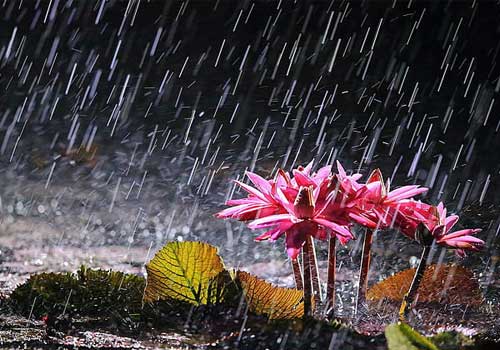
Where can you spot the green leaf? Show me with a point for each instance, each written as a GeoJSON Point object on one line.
{"type": "Point", "coordinates": [185, 271]}
{"type": "Point", "coordinates": [400, 336]}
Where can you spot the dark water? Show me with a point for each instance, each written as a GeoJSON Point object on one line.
{"type": "Point", "coordinates": [179, 98]}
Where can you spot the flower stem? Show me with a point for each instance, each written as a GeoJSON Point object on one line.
{"type": "Point", "coordinates": [297, 274]}
{"type": "Point", "coordinates": [306, 268]}
{"type": "Point", "coordinates": [330, 289]}
{"type": "Point", "coordinates": [409, 297]}
{"type": "Point", "coordinates": [313, 263]}
{"type": "Point", "coordinates": [365, 267]}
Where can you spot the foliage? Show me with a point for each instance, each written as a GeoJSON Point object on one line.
{"type": "Point", "coordinates": [450, 284]}
{"type": "Point", "coordinates": [193, 272]}
{"type": "Point", "coordinates": [181, 274]}
{"type": "Point", "coordinates": [265, 299]}
{"type": "Point", "coordinates": [86, 293]}
{"type": "Point", "coordinates": [400, 336]}
{"type": "Point", "coordinates": [451, 340]}
{"type": "Point", "coordinates": [185, 271]}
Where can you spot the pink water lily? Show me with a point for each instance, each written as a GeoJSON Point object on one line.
{"type": "Point", "coordinates": [294, 206]}
{"type": "Point", "coordinates": [304, 217]}
{"type": "Point", "coordinates": [410, 214]}
{"type": "Point", "coordinates": [376, 201]}
{"type": "Point", "coordinates": [428, 224]}
{"type": "Point", "coordinates": [460, 240]}
{"type": "Point", "coordinates": [322, 203]}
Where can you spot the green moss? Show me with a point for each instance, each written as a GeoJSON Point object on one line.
{"type": "Point", "coordinates": [85, 293]}
{"type": "Point", "coordinates": [400, 336]}
{"type": "Point", "coordinates": [452, 340]}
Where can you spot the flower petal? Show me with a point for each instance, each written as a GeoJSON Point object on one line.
{"type": "Point", "coordinates": [362, 220]}
{"type": "Point", "coordinates": [266, 235]}
{"type": "Point", "coordinates": [295, 239]}
{"type": "Point", "coordinates": [281, 229]}
{"type": "Point", "coordinates": [338, 229]}
{"type": "Point", "coordinates": [262, 184]}
{"type": "Point", "coordinates": [269, 221]}
{"type": "Point", "coordinates": [375, 176]}
{"type": "Point", "coordinates": [252, 190]}
{"type": "Point", "coordinates": [303, 179]}
{"type": "Point", "coordinates": [285, 203]}
{"type": "Point", "coordinates": [230, 212]}
{"type": "Point", "coordinates": [450, 221]}
{"type": "Point", "coordinates": [341, 169]}
{"type": "Point", "coordinates": [461, 233]}
{"type": "Point", "coordinates": [248, 200]}
{"type": "Point", "coordinates": [282, 178]}
{"type": "Point", "coordinates": [322, 173]}
{"type": "Point", "coordinates": [405, 192]}
{"type": "Point", "coordinates": [307, 169]}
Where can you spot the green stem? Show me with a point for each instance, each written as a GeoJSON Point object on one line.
{"type": "Point", "coordinates": [313, 262]}
{"type": "Point", "coordinates": [365, 267]}
{"type": "Point", "coordinates": [330, 289]}
{"type": "Point", "coordinates": [409, 297]}
{"type": "Point", "coordinates": [306, 268]}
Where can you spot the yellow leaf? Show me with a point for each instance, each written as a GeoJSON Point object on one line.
{"type": "Point", "coordinates": [184, 271]}
{"type": "Point", "coordinates": [265, 299]}
{"type": "Point", "coordinates": [450, 284]}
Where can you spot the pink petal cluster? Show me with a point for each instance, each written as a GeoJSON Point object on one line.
{"type": "Point", "coordinates": [413, 217]}
{"type": "Point", "coordinates": [323, 203]}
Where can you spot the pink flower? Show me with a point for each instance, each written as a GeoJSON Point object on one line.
{"type": "Point", "coordinates": [348, 183]}
{"type": "Point", "coordinates": [459, 240]}
{"type": "Point", "coordinates": [304, 217]}
{"type": "Point", "coordinates": [376, 201]}
{"type": "Point", "coordinates": [321, 203]}
{"type": "Point", "coordinates": [291, 206]}
{"type": "Point", "coordinates": [260, 202]}
{"type": "Point", "coordinates": [408, 214]}
{"type": "Point", "coordinates": [343, 190]}
{"type": "Point", "coordinates": [411, 214]}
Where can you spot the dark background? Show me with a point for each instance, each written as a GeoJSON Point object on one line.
{"type": "Point", "coordinates": [419, 41]}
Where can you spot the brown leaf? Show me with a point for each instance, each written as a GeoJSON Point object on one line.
{"type": "Point", "coordinates": [265, 299]}
{"type": "Point", "coordinates": [441, 283]}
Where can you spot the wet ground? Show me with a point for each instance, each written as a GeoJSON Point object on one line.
{"type": "Point", "coordinates": [111, 148]}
